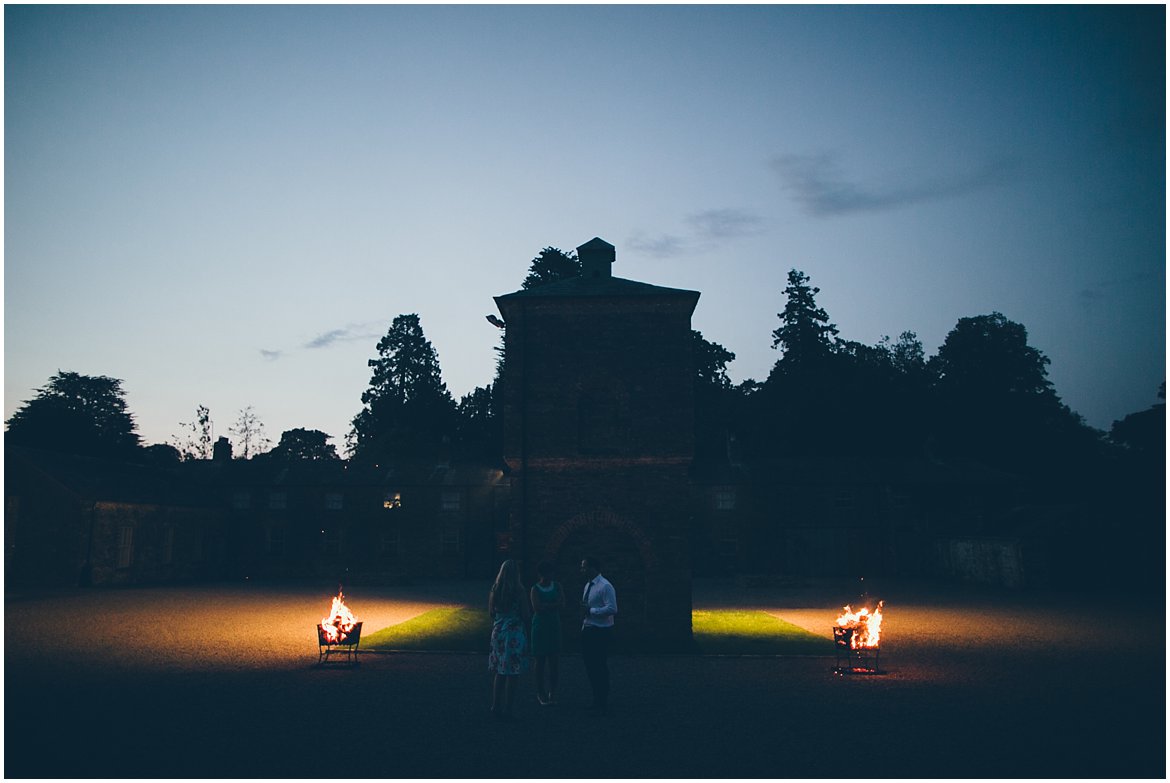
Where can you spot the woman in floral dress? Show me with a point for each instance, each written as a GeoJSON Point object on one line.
{"type": "Point", "coordinates": [508, 659]}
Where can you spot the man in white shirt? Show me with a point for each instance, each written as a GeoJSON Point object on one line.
{"type": "Point", "coordinates": [598, 607]}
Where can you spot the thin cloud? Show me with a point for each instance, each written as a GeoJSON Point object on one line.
{"type": "Point", "coordinates": [661, 246]}
{"type": "Point", "coordinates": [707, 229]}
{"type": "Point", "coordinates": [350, 333]}
{"type": "Point", "coordinates": [326, 339]}
{"type": "Point", "coordinates": [817, 183]}
{"type": "Point", "coordinates": [1090, 298]}
{"type": "Point", "coordinates": [345, 334]}
{"type": "Point", "coordinates": [718, 224]}
{"type": "Point", "coordinates": [1098, 294]}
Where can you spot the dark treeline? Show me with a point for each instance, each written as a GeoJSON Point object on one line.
{"type": "Point", "coordinates": [982, 409]}
{"type": "Point", "coordinates": [984, 398]}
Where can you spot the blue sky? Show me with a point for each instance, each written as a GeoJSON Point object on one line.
{"type": "Point", "coordinates": [228, 206]}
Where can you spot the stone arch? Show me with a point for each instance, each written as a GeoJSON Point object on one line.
{"type": "Point", "coordinates": [628, 559]}
{"type": "Point", "coordinates": [601, 519]}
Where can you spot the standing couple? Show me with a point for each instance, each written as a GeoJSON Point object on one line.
{"type": "Point", "coordinates": [509, 611]}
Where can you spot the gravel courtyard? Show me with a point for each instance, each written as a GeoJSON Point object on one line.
{"type": "Point", "coordinates": [220, 681]}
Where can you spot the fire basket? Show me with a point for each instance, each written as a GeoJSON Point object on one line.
{"type": "Point", "coordinates": [338, 634]}
{"type": "Point", "coordinates": [857, 641]}
{"type": "Point", "coordinates": [345, 646]}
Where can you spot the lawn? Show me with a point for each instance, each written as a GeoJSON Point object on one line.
{"type": "Point", "coordinates": [716, 632]}
{"type": "Point", "coordinates": [450, 629]}
{"type": "Point", "coordinates": [752, 632]}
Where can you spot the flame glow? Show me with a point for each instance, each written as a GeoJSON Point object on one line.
{"type": "Point", "coordinates": [337, 626]}
{"type": "Point", "coordinates": [866, 627]}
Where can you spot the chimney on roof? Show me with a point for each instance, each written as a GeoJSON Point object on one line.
{"type": "Point", "coordinates": [222, 450]}
{"type": "Point", "coordinates": [596, 256]}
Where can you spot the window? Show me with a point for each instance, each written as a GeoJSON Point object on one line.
{"type": "Point", "coordinates": [334, 501]}
{"type": "Point", "coordinates": [725, 500]}
{"type": "Point", "coordinates": [392, 500]}
{"type": "Point", "coordinates": [729, 547]}
{"type": "Point", "coordinates": [241, 500]}
{"type": "Point", "coordinates": [168, 545]}
{"type": "Point", "coordinates": [388, 546]}
{"type": "Point", "coordinates": [277, 500]}
{"type": "Point", "coordinates": [125, 546]}
{"type": "Point", "coordinates": [449, 541]}
{"type": "Point", "coordinates": [331, 541]}
{"type": "Point", "coordinates": [274, 540]}
{"type": "Point", "coordinates": [451, 501]}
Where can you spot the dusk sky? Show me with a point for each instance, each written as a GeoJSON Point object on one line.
{"type": "Point", "coordinates": [228, 206]}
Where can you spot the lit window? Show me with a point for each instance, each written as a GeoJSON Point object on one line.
{"type": "Point", "coordinates": [125, 546]}
{"type": "Point", "coordinates": [392, 500]}
{"type": "Point", "coordinates": [334, 501]}
{"type": "Point", "coordinates": [277, 500]}
{"type": "Point", "coordinates": [452, 501]}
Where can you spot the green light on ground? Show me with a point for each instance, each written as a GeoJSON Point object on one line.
{"type": "Point", "coordinates": [716, 632]}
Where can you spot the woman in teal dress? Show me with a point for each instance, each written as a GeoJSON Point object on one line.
{"type": "Point", "coordinates": [547, 600]}
{"type": "Point", "coordinates": [508, 657]}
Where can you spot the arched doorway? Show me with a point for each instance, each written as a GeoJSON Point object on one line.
{"type": "Point", "coordinates": [627, 560]}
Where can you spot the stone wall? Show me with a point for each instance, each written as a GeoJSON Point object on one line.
{"type": "Point", "coordinates": [136, 543]}
{"type": "Point", "coordinates": [597, 400]}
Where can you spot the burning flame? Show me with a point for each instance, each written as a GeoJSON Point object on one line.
{"type": "Point", "coordinates": [867, 628]}
{"type": "Point", "coordinates": [340, 621]}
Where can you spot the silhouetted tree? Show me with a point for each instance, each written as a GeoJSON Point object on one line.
{"type": "Point", "coordinates": [77, 414]}
{"type": "Point", "coordinates": [550, 265]}
{"type": "Point", "coordinates": [877, 395]}
{"type": "Point", "coordinates": [249, 432]}
{"type": "Point", "coordinates": [711, 360]}
{"type": "Point", "coordinates": [161, 455]}
{"type": "Point", "coordinates": [988, 356]}
{"type": "Point", "coordinates": [907, 355]}
{"type": "Point", "coordinates": [1133, 496]}
{"type": "Point", "coordinates": [805, 334]}
{"type": "Point", "coordinates": [1144, 431]}
{"type": "Point", "coordinates": [300, 444]}
{"type": "Point", "coordinates": [796, 410]}
{"type": "Point", "coordinates": [828, 395]}
{"type": "Point", "coordinates": [716, 399]}
{"type": "Point", "coordinates": [477, 431]}
{"type": "Point", "coordinates": [196, 441]}
{"type": "Point", "coordinates": [408, 410]}
{"type": "Point", "coordinates": [994, 402]}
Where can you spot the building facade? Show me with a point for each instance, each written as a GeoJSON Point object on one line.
{"type": "Point", "coordinates": [597, 403]}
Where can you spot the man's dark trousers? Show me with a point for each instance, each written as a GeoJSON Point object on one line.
{"type": "Point", "coordinates": [595, 652]}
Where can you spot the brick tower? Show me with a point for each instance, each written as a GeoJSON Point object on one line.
{"type": "Point", "coordinates": [596, 394]}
